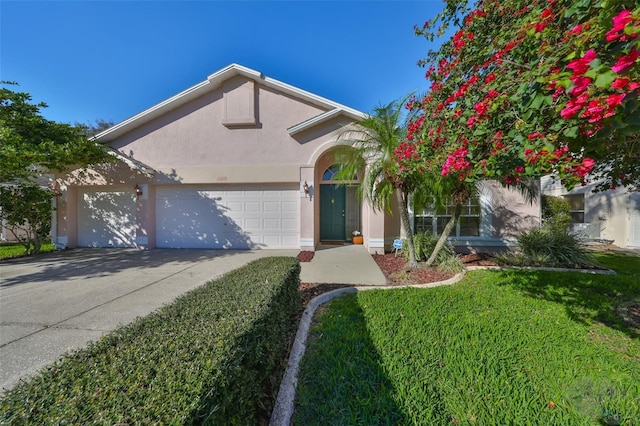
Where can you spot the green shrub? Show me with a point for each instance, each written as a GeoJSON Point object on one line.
{"type": "Point", "coordinates": [556, 212]}
{"type": "Point", "coordinates": [424, 243]}
{"type": "Point", "coordinates": [554, 247]}
{"type": "Point", "coordinates": [202, 359]}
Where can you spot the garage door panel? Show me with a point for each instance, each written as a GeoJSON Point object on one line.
{"type": "Point", "coordinates": [252, 207]}
{"type": "Point", "coordinates": [288, 206]}
{"type": "Point", "coordinates": [106, 219]}
{"type": "Point", "coordinates": [230, 219]}
{"type": "Point", "coordinates": [290, 224]}
{"type": "Point", "coordinates": [271, 224]}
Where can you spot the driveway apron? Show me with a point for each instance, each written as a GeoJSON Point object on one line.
{"type": "Point", "coordinates": [58, 302]}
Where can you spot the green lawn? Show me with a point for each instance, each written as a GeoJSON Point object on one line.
{"type": "Point", "coordinates": [506, 347]}
{"type": "Point", "coordinates": [9, 250]}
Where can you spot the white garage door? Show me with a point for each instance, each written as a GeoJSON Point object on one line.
{"type": "Point", "coordinates": [106, 218]}
{"type": "Point", "coordinates": [229, 218]}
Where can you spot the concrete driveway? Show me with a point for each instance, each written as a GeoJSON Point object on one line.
{"type": "Point", "coordinates": [58, 302]}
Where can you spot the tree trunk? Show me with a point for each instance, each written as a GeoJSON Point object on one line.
{"type": "Point", "coordinates": [20, 240]}
{"type": "Point", "coordinates": [403, 200]}
{"type": "Point", "coordinates": [445, 234]}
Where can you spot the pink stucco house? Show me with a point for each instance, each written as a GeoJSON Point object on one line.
{"type": "Point", "coordinates": [244, 161]}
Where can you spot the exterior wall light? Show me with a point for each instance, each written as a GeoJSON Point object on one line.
{"type": "Point", "coordinates": [138, 190]}
{"type": "Point", "coordinates": [308, 190]}
{"type": "Point", "coordinates": [57, 192]}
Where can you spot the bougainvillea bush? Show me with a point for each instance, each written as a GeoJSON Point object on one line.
{"type": "Point", "coordinates": [525, 88]}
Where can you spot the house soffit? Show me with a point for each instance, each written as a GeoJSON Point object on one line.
{"type": "Point", "coordinates": [213, 82]}
{"type": "Point", "coordinates": [133, 164]}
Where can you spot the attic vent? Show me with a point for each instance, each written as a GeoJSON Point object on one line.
{"type": "Point", "coordinates": [239, 103]}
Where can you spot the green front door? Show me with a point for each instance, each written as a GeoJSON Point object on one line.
{"type": "Point", "coordinates": [332, 213]}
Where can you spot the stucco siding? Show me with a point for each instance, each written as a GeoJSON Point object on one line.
{"type": "Point", "coordinates": [193, 135]}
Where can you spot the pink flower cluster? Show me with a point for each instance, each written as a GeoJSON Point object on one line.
{"type": "Point", "coordinates": [406, 151]}
{"type": "Point", "coordinates": [546, 15]}
{"type": "Point", "coordinates": [414, 127]}
{"type": "Point", "coordinates": [581, 100]}
{"type": "Point", "coordinates": [620, 21]}
{"type": "Point", "coordinates": [545, 155]}
{"type": "Point", "coordinates": [456, 162]}
{"type": "Point", "coordinates": [482, 108]}
{"type": "Point", "coordinates": [585, 168]}
{"type": "Point", "coordinates": [460, 38]}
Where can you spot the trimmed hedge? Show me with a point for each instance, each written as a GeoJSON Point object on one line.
{"type": "Point", "coordinates": [202, 359]}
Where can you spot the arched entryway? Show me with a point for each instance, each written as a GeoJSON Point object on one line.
{"type": "Point", "coordinates": [340, 210]}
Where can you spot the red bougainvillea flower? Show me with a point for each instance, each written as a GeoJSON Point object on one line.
{"type": "Point", "coordinates": [580, 85]}
{"type": "Point", "coordinates": [619, 22]}
{"type": "Point", "coordinates": [619, 83]}
{"type": "Point", "coordinates": [577, 29]}
{"type": "Point", "coordinates": [456, 162]}
{"type": "Point", "coordinates": [585, 168]}
{"type": "Point", "coordinates": [581, 66]}
{"type": "Point", "coordinates": [626, 61]}
{"type": "Point", "coordinates": [570, 110]}
{"type": "Point", "coordinates": [615, 99]}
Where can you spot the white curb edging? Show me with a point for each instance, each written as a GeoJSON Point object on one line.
{"type": "Point", "coordinates": [285, 406]}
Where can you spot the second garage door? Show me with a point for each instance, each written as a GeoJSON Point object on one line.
{"type": "Point", "coordinates": [227, 218]}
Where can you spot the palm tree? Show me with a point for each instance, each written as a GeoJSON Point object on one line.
{"type": "Point", "coordinates": [371, 145]}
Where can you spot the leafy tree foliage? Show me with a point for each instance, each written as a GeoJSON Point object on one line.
{"type": "Point", "coordinates": [26, 210]}
{"type": "Point", "coordinates": [556, 213]}
{"type": "Point", "coordinates": [30, 147]}
{"type": "Point", "coordinates": [92, 129]}
{"type": "Point", "coordinates": [525, 88]}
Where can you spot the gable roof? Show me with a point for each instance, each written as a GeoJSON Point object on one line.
{"type": "Point", "coordinates": [214, 81]}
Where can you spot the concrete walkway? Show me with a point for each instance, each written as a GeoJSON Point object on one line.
{"type": "Point", "coordinates": [349, 264]}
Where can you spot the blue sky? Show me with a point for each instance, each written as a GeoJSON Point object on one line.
{"type": "Point", "coordinates": [110, 60]}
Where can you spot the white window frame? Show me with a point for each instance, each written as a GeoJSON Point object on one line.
{"type": "Point", "coordinates": [485, 200]}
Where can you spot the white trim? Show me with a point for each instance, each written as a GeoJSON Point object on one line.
{"type": "Point", "coordinates": [376, 242]}
{"type": "Point", "coordinates": [485, 200]}
{"type": "Point", "coordinates": [307, 242]}
{"type": "Point", "coordinates": [62, 241]}
{"type": "Point", "coordinates": [481, 242]}
{"type": "Point", "coordinates": [313, 121]}
{"type": "Point", "coordinates": [319, 151]}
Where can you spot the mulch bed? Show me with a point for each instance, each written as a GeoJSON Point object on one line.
{"type": "Point", "coordinates": [394, 269]}
{"type": "Point", "coordinates": [305, 256]}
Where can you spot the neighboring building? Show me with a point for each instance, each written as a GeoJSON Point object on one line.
{"type": "Point", "coordinates": [243, 161]}
{"type": "Point", "coordinates": [610, 216]}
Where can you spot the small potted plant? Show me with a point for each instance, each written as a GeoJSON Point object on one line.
{"type": "Point", "coordinates": [356, 237]}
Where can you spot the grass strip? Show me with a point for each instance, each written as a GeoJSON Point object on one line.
{"type": "Point", "coordinates": [10, 250]}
